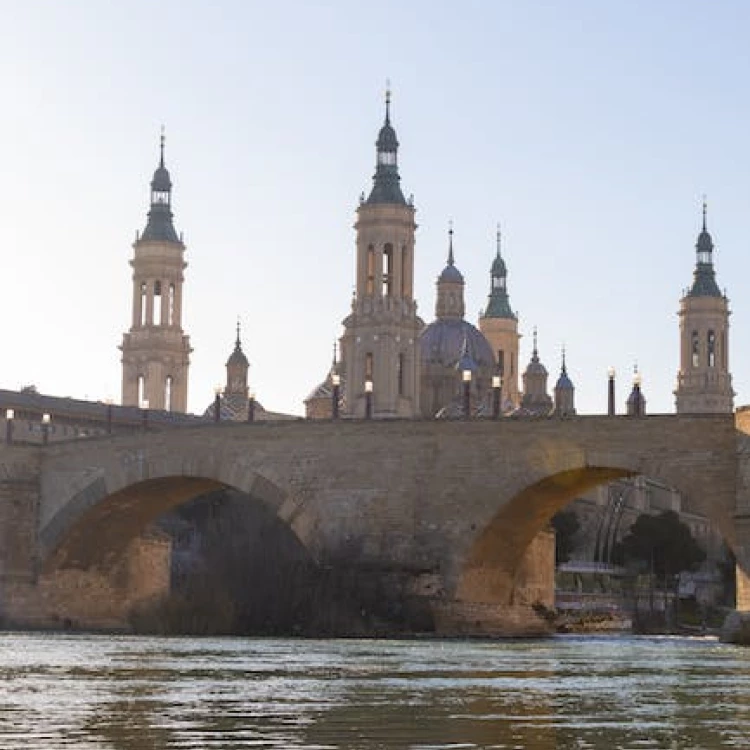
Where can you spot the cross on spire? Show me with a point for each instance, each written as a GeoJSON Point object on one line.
{"type": "Point", "coordinates": [450, 243]}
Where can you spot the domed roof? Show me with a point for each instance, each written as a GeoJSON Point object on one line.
{"type": "Point", "coordinates": [451, 274]}
{"type": "Point", "coordinates": [322, 390]}
{"type": "Point", "coordinates": [636, 394]}
{"type": "Point", "coordinates": [705, 243]}
{"type": "Point", "coordinates": [535, 367]}
{"type": "Point", "coordinates": [387, 140]}
{"type": "Point", "coordinates": [159, 226]}
{"type": "Point", "coordinates": [443, 341]}
{"type": "Point", "coordinates": [233, 408]}
{"type": "Point", "coordinates": [237, 357]}
{"type": "Point", "coordinates": [704, 276]}
{"type": "Point", "coordinates": [564, 383]}
{"type": "Point", "coordinates": [162, 182]}
{"type": "Point", "coordinates": [498, 267]}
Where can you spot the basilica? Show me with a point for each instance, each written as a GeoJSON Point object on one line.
{"type": "Point", "coordinates": [388, 363]}
{"type": "Point", "coordinates": [392, 364]}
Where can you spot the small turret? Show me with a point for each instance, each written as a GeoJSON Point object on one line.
{"type": "Point", "coordinates": [636, 403]}
{"type": "Point", "coordinates": [536, 401]}
{"type": "Point", "coordinates": [564, 392]}
{"type": "Point", "coordinates": [498, 304]}
{"type": "Point", "coordinates": [450, 287]}
{"type": "Point", "coordinates": [237, 369]}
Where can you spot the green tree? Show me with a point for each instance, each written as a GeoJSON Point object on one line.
{"type": "Point", "coordinates": [566, 525]}
{"type": "Point", "coordinates": [663, 543]}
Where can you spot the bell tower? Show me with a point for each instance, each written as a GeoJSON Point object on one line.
{"type": "Point", "coordinates": [155, 351]}
{"type": "Point", "coordinates": [499, 324]}
{"type": "Point", "coordinates": [379, 345]}
{"type": "Point", "coordinates": [704, 384]}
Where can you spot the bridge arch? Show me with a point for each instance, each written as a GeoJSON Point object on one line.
{"type": "Point", "coordinates": [435, 509]}
{"type": "Point", "coordinates": [106, 509]}
{"type": "Point", "coordinates": [493, 559]}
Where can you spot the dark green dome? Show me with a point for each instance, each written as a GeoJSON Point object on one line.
{"type": "Point", "coordinates": [387, 140]}
{"type": "Point", "coordinates": [705, 243]}
{"type": "Point", "coordinates": [162, 182]}
{"type": "Point", "coordinates": [386, 188]}
{"type": "Point", "coordinates": [498, 267]}
{"type": "Point", "coordinates": [704, 276]}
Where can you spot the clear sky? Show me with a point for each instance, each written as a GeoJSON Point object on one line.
{"type": "Point", "coordinates": [590, 130]}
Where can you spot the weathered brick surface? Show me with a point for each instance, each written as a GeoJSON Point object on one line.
{"type": "Point", "coordinates": [92, 599]}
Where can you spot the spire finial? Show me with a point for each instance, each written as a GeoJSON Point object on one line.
{"type": "Point", "coordinates": [564, 368]}
{"type": "Point", "coordinates": [387, 101]}
{"type": "Point", "coordinates": [161, 147]}
{"type": "Point", "coordinates": [499, 235]}
{"type": "Point", "coordinates": [705, 211]}
{"type": "Point", "coordinates": [450, 243]}
{"type": "Point", "coordinates": [335, 353]}
{"type": "Point", "coordinates": [238, 342]}
{"type": "Point", "coordinates": [536, 353]}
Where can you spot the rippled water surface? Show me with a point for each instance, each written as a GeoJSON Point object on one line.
{"type": "Point", "coordinates": [147, 693]}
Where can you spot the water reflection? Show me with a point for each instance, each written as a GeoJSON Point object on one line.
{"type": "Point", "coordinates": [151, 694]}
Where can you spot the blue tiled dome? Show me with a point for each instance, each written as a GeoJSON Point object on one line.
{"type": "Point", "coordinates": [452, 274]}
{"type": "Point", "coordinates": [564, 382]}
{"type": "Point", "coordinates": [443, 341]}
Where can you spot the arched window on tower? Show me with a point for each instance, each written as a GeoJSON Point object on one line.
{"type": "Point", "coordinates": [723, 356]}
{"type": "Point", "coordinates": [695, 350]}
{"type": "Point", "coordinates": [369, 368]}
{"type": "Point", "coordinates": [170, 308]}
{"type": "Point", "coordinates": [168, 393]}
{"type": "Point", "coordinates": [387, 270]}
{"type": "Point", "coordinates": [501, 361]}
{"type": "Point", "coordinates": [157, 303]}
{"type": "Point", "coordinates": [400, 374]}
{"type": "Point", "coordinates": [711, 349]}
{"type": "Point", "coordinates": [141, 390]}
{"type": "Point", "coordinates": [144, 303]}
{"type": "Point", "coordinates": [404, 267]}
{"type": "Point", "coordinates": [370, 289]}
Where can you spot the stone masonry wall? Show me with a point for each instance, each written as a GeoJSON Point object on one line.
{"type": "Point", "coordinates": [422, 498]}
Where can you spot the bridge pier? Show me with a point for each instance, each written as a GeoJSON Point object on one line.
{"type": "Point", "coordinates": [736, 628]}
{"type": "Point", "coordinates": [30, 598]}
{"type": "Point", "coordinates": [20, 491]}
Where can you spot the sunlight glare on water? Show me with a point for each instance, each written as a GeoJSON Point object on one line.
{"type": "Point", "coordinates": [127, 693]}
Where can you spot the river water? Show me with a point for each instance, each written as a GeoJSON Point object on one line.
{"type": "Point", "coordinates": [128, 693]}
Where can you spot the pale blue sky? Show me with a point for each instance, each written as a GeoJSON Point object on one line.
{"type": "Point", "coordinates": [590, 130]}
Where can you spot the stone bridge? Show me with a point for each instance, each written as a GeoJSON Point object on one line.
{"type": "Point", "coordinates": [452, 507]}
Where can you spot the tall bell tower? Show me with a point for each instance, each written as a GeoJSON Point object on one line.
{"type": "Point", "coordinates": [379, 345]}
{"type": "Point", "coordinates": [704, 384]}
{"type": "Point", "coordinates": [156, 352]}
{"type": "Point", "coordinates": [499, 324]}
